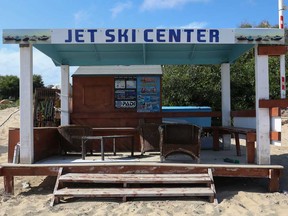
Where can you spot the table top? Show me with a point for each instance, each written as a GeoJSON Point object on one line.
{"type": "Point", "coordinates": [101, 137]}
{"type": "Point", "coordinates": [231, 129]}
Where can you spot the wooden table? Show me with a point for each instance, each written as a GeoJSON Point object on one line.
{"type": "Point", "coordinates": [84, 139]}
{"type": "Point", "coordinates": [250, 139]}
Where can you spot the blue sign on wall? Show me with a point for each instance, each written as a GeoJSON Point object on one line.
{"type": "Point", "coordinates": [148, 94]}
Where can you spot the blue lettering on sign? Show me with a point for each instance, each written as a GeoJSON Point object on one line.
{"type": "Point", "coordinates": [123, 34]}
{"type": "Point", "coordinates": [146, 36]}
{"type": "Point", "coordinates": [133, 35]}
{"type": "Point", "coordinates": [201, 35]}
{"type": "Point", "coordinates": [69, 39]}
{"type": "Point", "coordinates": [79, 35]}
{"type": "Point", "coordinates": [189, 32]}
{"type": "Point", "coordinates": [160, 35]}
{"type": "Point", "coordinates": [174, 35]}
{"type": "Point", "coordinates": [149, 36]}
{"type": "Point", "coordinates": [214, 35]}
{"type": "Point", "coordinates": [92, 34]}
{"type": "Point", "coordinates": [110, 35]}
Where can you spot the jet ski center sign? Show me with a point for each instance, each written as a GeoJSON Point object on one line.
{"type": "Point", "coordinates": [138, 36]}
{"type": "Point", "coordinates": [143, 36]}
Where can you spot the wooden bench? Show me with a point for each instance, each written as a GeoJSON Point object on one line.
{"type": "Point", "coordinates": [250, 134]}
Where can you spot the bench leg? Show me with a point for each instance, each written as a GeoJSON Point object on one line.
{"type": "Point", "coordinates": [102, 149]}
{"type": "Point", "coordinates": [274, 178]}
{"type": "Point", "coordinates": [83, 149]}
{"type": "Point", "coordinates": [238, 150]}
{"type": "Point", "coordinates": [215, 140]}
{"type": "Point", "coordinates": [250, 152]}
{"type": "Point", "coordinates": [114, 146]}
{"type": "Point", "coordinates": [132, 146]}
{"type": "Point", "coordinates": [9, 185]}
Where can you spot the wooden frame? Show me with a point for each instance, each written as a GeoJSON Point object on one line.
{"type": "Point", "coordinates": [270, 172]}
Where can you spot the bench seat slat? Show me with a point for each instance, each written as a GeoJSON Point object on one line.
{"type": "Point", "coordinates": [135, 178]}
{"type": "Point", "coordinates": [134, 192]}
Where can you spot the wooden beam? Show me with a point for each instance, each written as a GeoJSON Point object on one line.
{"type": "Point", "coordinates": [9, 184]}
{"type": "Point", "coordinates": [281, 103]}
{"type": "Point", "coordinates": [243, 113]}
{"type": "Point", "coordinates": [145, 115]}
{"type": "Point", "coordinates": [274, 178]}
{"type": "Point", "coordinates": [275, 135]}
{"type": "Point", "coordinates": [272, 50]}
{"type": "Point", "coordinates": [275, 112]}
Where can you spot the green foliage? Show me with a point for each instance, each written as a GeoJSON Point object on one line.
{"type": "Point", "coordinates": [243, 82]}
{"type": "Point", "coordinates": [37, 82]}
{"type": "Point", "coordinates": [9, 105]}
{"type": "Point", "coordinates": [190, 85]}
{"type": "Point", "coordinates": [9, 86]}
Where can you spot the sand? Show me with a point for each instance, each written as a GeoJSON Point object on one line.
{"type": "Point", "coordinates": [236, 196]}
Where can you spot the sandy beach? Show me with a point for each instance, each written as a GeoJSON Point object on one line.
{"type": "Point", "coordinates": [236, 196]}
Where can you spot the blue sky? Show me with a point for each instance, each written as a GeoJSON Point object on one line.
{"type": "Point", "coordinates": [19, 14]}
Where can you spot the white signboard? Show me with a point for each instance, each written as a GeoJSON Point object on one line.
{"type": "Point", "coordinates": [144, 36]}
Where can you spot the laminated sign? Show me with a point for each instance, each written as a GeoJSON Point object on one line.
{"type": "Point", "coordinates": [125, 92]}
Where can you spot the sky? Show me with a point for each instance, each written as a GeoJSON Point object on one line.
{"type": "Point", "coordinates": [53, 14]}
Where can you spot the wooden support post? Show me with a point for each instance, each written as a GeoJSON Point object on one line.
{"type": "Point", "coordinates": [250, 145]}
{"type": "Point", "coordinates": [9, 184]}
{"type": "Point", "coordinates": [274, 177]}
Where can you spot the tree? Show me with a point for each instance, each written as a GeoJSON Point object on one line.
{"type": "Point", "coordinates": [189, 85]}
{"type": "Point", "coordinates": [37, 82]}
{"type": "Point", "coordinates": [9, 87]}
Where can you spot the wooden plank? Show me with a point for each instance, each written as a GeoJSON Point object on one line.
{"type": "Point", "coordinates": [116, 168]}
{"type": "Point", "coordinates": [56, 199]}
{"type": "Point", "coordinates": [275, 112]}
{"type": "Point", "coordinates": [243, 113]}
{"type": "Point", "coordinates": [274, 50]}
{"type": "Point", "coordinates": [251, 137]}
{"type": "Point", "coordinates": [132, 115]}
{"type": "Point", "coordinates": [9, 184]}
{"type": "Point", "coordinates": [281, 103]}
{"type": "Point", "coordinates": [135, 178]}
{"type": "Point", "coordinates": [212, 187]}
{"type": "Point", "coordinates": [250, 151]}
{"type": "Point", "coordinates": [275, 135]}
{"type": "Point", "coordinates": [134, 192]}
{"type": "Point", "coordinates": [274, 178]}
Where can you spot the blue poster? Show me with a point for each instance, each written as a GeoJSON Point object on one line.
{"type": "Point", "coordinates": [148, 94]}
